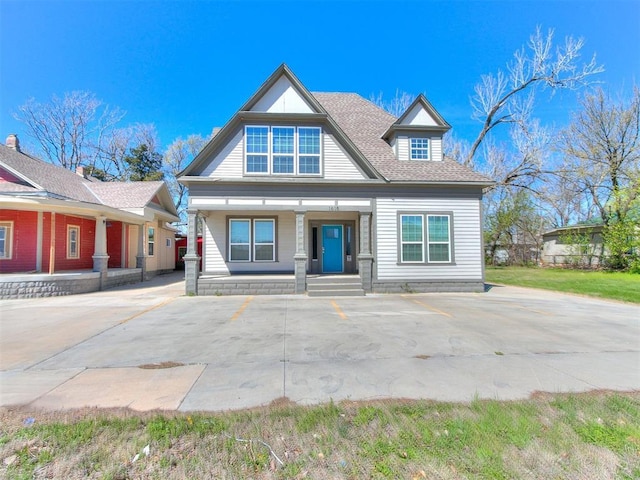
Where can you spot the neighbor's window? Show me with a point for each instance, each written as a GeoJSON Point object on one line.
{"type": "Point", "coordinates": [419, 149]}
{"type": "Point", "coordinates": [282, 150]}
{"type": "Point", "coordinates": [252, 240]}
{"type": "Point", "coordinates": [73, 241]}
{"type": "Point", "coordinates": [425, 238]}
{"type": "Point", "coordinates": [151, 241]}
{"type": "Point", "coordinates": [6, 235]}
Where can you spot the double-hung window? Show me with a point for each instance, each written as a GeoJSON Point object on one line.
{"type": "Point", "coordinates": [73, 241]}
{"type": "Point", "coordinates": [151, 241]}
{"type": "Point", "coordinates": [282, 150]}
{"type": "Point", "coordinates": [6, 235]}
{"type": "Point", "coordinates": [252, 240]}
{"type": "Point", "coordinates": [419, 149]}
{"type": "Point", "coordinates": [425, 238]}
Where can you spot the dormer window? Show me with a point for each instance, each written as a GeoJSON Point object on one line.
{"type": "Point", "coordinates": [281, 150]}
{"type": "Point", "coordinates": [419, 149]}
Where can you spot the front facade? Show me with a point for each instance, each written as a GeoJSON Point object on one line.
{"type": "Point", "coordinates": [53, 222]}
{"type": "Point", "coordinates": [327, 184]}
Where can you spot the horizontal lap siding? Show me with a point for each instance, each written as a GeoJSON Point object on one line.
{"type": "Point", "coordinates": [467, 240]}
{"type": "Point", "coordinates": [215, 244]}
{"type": "Point", "coordinates": [24, 237]}
{"type": "Point", "coordinates": [337, 164]}
{"type": "Point", "coordinates": [229, 163]}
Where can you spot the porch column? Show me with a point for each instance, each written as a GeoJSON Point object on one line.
{"type": "Point", "coordinates": [191, 258]}
{"type": "Point", "coordinates": [365, 258]}
{"type": "Point", "coordinates": [100, 256]}
{"type": "Point", "coordinates": [141, 256]}
{"type": "Point", "coordinates": [300, 257]}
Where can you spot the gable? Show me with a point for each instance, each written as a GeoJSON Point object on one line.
{"type": "Point", "coordinates": [8, 177]}
{"type": "Point", "coordinates": [282, 97]}
{"type": "Point", "coordinates": [418, 115]}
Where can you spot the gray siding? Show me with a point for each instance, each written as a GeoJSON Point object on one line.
{"type": "Point", "coordinates": [466, 235]}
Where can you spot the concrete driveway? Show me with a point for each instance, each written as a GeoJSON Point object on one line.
{"type": "Point", "coordinates": [148, 347]}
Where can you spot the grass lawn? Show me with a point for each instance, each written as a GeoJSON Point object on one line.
{"type": "Point", "coordinates": [583, 436]}
{"type": "Point", "coordinates": [614, 285]}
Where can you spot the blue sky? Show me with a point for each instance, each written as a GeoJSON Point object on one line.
{"type": "Point", "coordinates": [187, 66]}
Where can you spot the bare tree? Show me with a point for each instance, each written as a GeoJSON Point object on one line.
{"type": "Point", "coordinates": [68, 129]}
{"type": "Point", "coordinates": [508, 98]}
{"type": "Point", "coordinates": [176, 158]}
{"type": "Point", "coordinates": [397, 105]}
{"type": "Point", "coordinates": [602, 153]}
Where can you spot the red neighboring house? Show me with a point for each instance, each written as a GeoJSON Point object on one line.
{"type": "Point", "coordinates": [181, 250]}
{"type": "Point", "coordinates": [53, 220]}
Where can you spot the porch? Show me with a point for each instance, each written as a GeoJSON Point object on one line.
{"type": "Point", "coordinates": [35, 285]}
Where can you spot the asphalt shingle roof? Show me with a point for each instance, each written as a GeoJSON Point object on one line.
{"type": "Point", "coordinates": [365, 123]}
{"type": "Point", "coordinates": [67, 184]}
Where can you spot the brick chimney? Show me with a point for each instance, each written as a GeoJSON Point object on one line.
{"type": "Point", "coordinates": [13, 142]}
{"type": "Point", "coordinates": [80, 171]}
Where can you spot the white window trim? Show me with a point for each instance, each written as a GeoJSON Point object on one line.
{"type": "Point", "coordinates": [252, 244]}
{"type": "Point", "coordinates": [151, 242]}
{"type": "Point", "coordinates": [255, 244]}
{"type": "Point", "coordinates": [296, 152]}
{"type": "Point", "coordinates": [242, 243]}
{"type": "Point", "coordinates": [426, 260]}
{"type": "Point", "coordinates": [70, 255]}
{"type": "Point", "coordinates": [421, 149]}
{"type": "Point", "coordinates": [448, 242]}
{"type": "Point", "coordinates": [402, 242]}
{"type": "Point", "coordinates": [7, 254]}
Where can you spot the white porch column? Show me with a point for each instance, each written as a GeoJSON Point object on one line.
{"type": "Point", "coordinates": [300, 257]}
{"type": "Point", "coordinates": [100, 256]}
{"type": "Point", "coordinates": [141, 256]}
{"type": "Point", "coordinates": [365, 258]}
{"type": "Point", "coordinates": [191, 258]}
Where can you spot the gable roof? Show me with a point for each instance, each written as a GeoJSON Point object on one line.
{"type": "Point", "coordinates": [365, 124]}
{"type": "Point", "coordinates": [359, 126]}
{"type": "Point", "coordinates": [45, 179]}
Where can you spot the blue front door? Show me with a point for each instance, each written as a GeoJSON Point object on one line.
{"type": "Point", "coordinates": [332, 249]}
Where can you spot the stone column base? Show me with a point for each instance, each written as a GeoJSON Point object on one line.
{"type": "Point", "coordinates": [101, 265]}
{"type": "Point", "coordinates": [141, 263]}
{"type": "Point", "coordinates": [365, 267]}
{"type": "Point", "coordinates": [300, 273]}
{"type": "Point", "coordinates": [191, 273]}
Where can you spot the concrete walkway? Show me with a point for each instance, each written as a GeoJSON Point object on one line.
{"type": "Point", "coordinates": [149, 347]}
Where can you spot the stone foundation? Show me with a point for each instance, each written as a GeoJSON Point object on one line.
{"type": "Point", "coordinates": [249, 286]}
{"type": "Point", "coordinates": [416, 286]}
{"type": "Point", "coordinates": [42, 285]}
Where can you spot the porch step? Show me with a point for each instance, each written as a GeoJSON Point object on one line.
{"type": "Point", "coordinates": [334, 286]}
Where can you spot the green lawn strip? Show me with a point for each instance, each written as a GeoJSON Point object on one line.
{"type": "Point", "coordinates": [612, 285]}
{"type": "Point", "coordinates": [593, 435]}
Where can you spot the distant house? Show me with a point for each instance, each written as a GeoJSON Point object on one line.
{"type": "Point", "coordinates": [54, 221]}
{"type": "Point", "coordinates": [300, 188]}
{"type": "Point", "coordinates": [579, 246]}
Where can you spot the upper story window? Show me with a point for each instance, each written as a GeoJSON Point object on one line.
{"type": "Point", "coordinates": [282, 150]}
{"type": "Point", "coordinates": [419, 149]}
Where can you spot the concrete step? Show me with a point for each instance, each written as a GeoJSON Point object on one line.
{"type": "Point", "coordinates": [341, 292]}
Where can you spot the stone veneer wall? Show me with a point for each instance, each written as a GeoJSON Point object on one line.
{"type": "Point", "coordinates": [239, 286]}
{"type": "Point", "coordinates": [427, 287]}
{"type": "Point", "coordinates": [42, 285]}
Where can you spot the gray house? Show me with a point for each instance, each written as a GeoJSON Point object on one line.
{"type": "Point", "coordinates": [303, 189]}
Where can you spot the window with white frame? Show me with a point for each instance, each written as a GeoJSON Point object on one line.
{"type": "Point", "coordinates": [419, 149]}
{"type": "Point", "coordinates": [425, 238]}
{"type": "Point", "coordinates": [6, 243]}
{"type": "Point", "coordinates": [151, 241]}
{"type": "Point", "coordinates": [282, 150]}
{"type": "Point", "coordinates": [252, 240]}
{"type": "Point", "coordinates": [73, 241]}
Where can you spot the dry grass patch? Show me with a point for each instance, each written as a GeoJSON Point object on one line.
{"type": "Point", "coordinates": [584, 436]}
